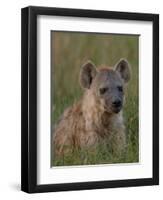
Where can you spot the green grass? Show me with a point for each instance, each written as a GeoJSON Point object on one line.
{"type": "Point", "coordinates": [69, 52]}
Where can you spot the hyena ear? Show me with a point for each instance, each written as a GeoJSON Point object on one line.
{"type": "Point", "coordinates": [87, 73]}
{"type": "Point", "coordinates": [124, 70]}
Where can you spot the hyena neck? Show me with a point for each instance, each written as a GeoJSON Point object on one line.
{"type": "Point", "coordinates": [95, 117]}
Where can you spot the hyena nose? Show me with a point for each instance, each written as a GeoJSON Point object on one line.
{"type": "Point", "coordinates": [117, 103]}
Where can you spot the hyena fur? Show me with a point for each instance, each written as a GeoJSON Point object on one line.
{"type": "Point", "coordinates": [97, 117]}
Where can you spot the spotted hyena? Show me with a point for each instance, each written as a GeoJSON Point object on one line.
{"type": "Point", "coordinates": [97, 118]}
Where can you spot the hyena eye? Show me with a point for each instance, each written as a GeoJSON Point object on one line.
{"type": "Point", "coordinates": [103, 90]}
{"type": "Point", "coordinates": [120, 88]}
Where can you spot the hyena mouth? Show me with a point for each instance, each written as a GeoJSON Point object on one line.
{"type": "Point", "coordinates": [117, 109]}
{"type": "Point", "coordinates": [113, 109]}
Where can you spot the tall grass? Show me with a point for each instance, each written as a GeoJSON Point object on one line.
{"type": "Point", "coordinates": [69, 51]}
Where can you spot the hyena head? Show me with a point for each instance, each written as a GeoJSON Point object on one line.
{"type": "Point", "coordinates": [107, 85]}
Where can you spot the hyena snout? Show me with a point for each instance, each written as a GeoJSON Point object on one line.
{"type": "Point", "coordinates": [117, 105]}
{"type": "Point", "coordinates": [113, 105]}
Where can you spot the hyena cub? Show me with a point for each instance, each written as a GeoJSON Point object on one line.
{"type": "Point", "coordinates": [97, 118]}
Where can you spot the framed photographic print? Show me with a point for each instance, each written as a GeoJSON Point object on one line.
{"type": "Point", "coordinates": [90, 99]}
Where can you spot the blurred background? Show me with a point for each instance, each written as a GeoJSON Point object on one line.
{"type": "Point", "coordinates": [70, 50]}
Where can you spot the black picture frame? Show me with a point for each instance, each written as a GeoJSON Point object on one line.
{"type": "Point", "coordinates": [29, 99]}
